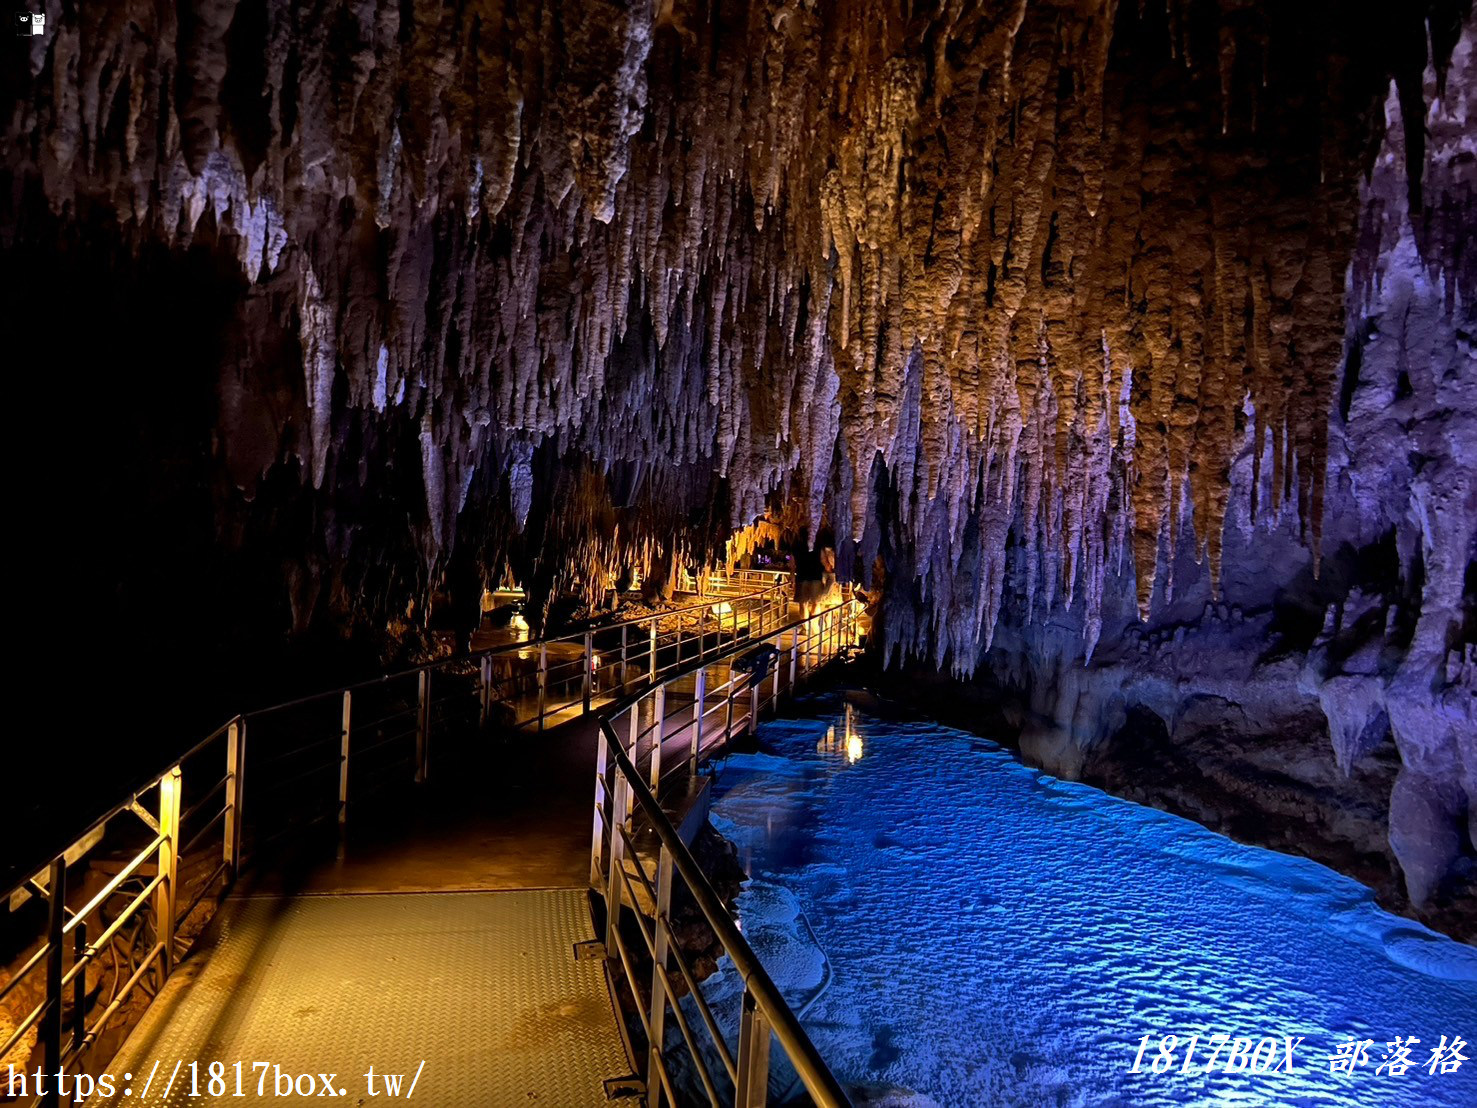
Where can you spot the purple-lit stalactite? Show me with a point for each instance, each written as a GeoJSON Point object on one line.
{"type": "Point", "coordinates": [1044, 304]}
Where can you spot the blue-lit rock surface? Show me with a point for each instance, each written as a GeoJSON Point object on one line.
{"type": "Point", "coordinates": [956, 924]}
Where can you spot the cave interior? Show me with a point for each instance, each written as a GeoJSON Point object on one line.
{"type": "Point", "coordinates": [1120, 353]}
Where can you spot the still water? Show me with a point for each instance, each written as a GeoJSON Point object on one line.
{"type": "Point", "coordinates": [957, 928]}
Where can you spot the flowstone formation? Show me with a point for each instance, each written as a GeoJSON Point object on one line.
{"type": "Point", "coordinates": [997, 291]}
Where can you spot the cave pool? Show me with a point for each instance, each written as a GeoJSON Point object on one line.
{"type": "Point", "coordinates": [956, 928]}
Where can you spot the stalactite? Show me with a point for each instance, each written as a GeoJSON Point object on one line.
{"type": "Point", "coordinates": [1034, 256]}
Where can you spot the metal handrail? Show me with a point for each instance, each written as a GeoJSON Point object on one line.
{"type": "Point", "coordinates": [777, 585]}
{"type": "Point", "coordinates": [816, 1075]}
{"type": "Point", "coordinates": [46, 879]}
{"type": "Point", "coordinates": [150, 780]}
{"type": "Point", "coordinates": [778, 582]}
{"type": "Point", "coordinates": [63, 1045]}
{"type": "Point", "coordinates": [621, 791]}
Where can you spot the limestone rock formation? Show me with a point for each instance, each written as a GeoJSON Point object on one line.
{"type": "Point", "coordinates": [1335, 694]}
{"type": "Point", "coordinates": [1007, 294]}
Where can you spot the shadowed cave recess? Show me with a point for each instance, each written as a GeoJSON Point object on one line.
{"type": "Point", "coordinates": [1125, 350]}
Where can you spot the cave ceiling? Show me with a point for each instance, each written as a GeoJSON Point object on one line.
{"type": "Point", "coordinates": [963, 280]}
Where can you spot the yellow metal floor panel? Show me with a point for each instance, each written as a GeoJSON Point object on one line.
{"type": "Point", "coordinates": [479, 993]}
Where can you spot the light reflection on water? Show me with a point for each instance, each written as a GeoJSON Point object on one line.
{"type": "Point", "coordinates": [955, 923]}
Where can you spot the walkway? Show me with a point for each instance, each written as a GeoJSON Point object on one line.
{"type": "Point", "coordinates": [443, 929]}
{"type": "Point", "coordinates": [468, 999]}
{"type": "Point", "coordinates": [407, 890]}
{"type": "Point", "coordinates": [463, 901]}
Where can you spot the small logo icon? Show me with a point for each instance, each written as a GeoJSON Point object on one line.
{"type": "Point", "coordinates": [28, 24]}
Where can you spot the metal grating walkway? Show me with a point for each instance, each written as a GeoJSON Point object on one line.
{"type": "Point", "coordinates": [482, 986]}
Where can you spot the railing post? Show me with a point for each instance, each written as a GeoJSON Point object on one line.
{"type": "Point", "coordinates": [602, 806]}
{"type": "Point", "coordinates": [543, 681]}
{"type": "Point", "coordinates": [794, 658]}
{"type": "Point", "coordinates": [79, 986]}
{"type": "Point", "coordinates": [422, 726]}
{"type": "Point", "coordinates": [728, 722]}
{"type": "Point", "coordinates": [51, 1023]}
{"type": "Point", "coordinates": [165, 894]}
{"type": "Point", "coordinates": [658, 1012]}
{"type": "Point", "coordinates": [235, 765]}
{"type": "Point", "coordinates": [752, 1087]}
{"type": "Point", "coordinates": [651, 654]}
{"type": "Point", "coordinates": [659, 702]}
{"type": "Point", "coordinates": [486, 674]}
{"type": "Point", "coordinates": [343, 761]}
{"type": "Point", "coordinates": [623, 657]}
{"type": "Point", "coordinates": [589, 669]}
{"type": "Point", "coordinates": [619, 802]}
{"type": "Point", "coordinates": [700, 694]}
{"type": "Point", "coordinates": [635, 717]}
{"type": "Point", "coordinates": [754, 705]}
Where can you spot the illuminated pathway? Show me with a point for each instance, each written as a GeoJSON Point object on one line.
{"type": "Point", "coordinates": [476, 997]}
{"type": "Point", "coordinates": [444, 932]}
{"type": "Point", "coordinates": [438, 932]}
